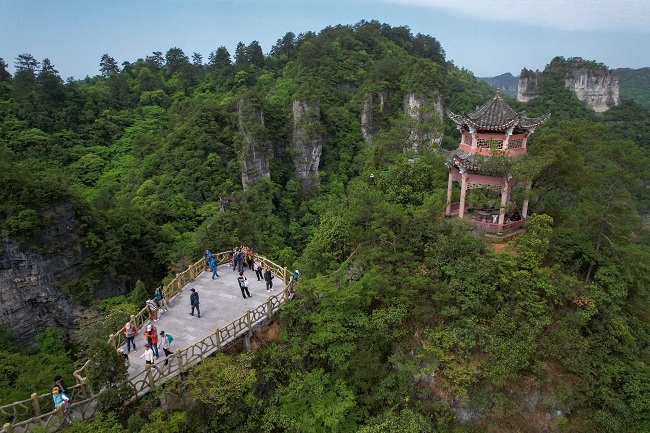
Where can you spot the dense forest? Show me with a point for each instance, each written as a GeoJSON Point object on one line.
{"type": "Point", "coordinates": [403, 321]}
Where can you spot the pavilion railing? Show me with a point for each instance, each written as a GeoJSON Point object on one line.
{"type": "Point", "coordinates": [39, 409]}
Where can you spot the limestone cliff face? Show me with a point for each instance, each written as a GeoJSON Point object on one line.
{"type": "Point", "coordinates": [592, 83]}
{"type": "Point", "coordinates": [598, 88]}
{"type": "Point", "coordinates": [426, 112]}
{"type": "Point", "coordinates": [528, 87]}
{"type": "Point", "coordinates": [374, 103]}
{"type": "Point", "coordinates": [256, 150]}
{"type": "Point", "coordinates": [307, 142]}
{"type": "Point", "coordinates": [29, 298]}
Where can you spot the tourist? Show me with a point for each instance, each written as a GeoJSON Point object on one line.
{"type": "Point", "coordinates": [243, 285]}
{"type": "Point", "coordinates": [194, 302]}
{"type": "Point", "coordinates": [62, 402]}
{"type": "Point", "coordinates": [295, 275]}
{"type": "Point", "coordinates": [130, 332]}
{"type": "Point", "coordinates": [268, 277]}
{"type": "Point", "coordinates": [153, 308]}
{"type": "Point", "coordinates": [148, 355]}
{"type": "Point", "coordinates": [213, 267]}
{"type": "Point", "coordinates": [160, 299]}
{"type": "Point", "coordinates": [58, 382]}
{"type": "Point", "coordinates": [259, 270]}
{"type": "Point", "coordinates": [152, 338]}
{"type": "Point", "coordinates": [165, 341]}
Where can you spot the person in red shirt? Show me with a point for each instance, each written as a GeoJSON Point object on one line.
{"type": "Point", "coordinates": [151, 334]}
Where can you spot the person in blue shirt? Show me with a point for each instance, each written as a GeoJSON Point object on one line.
{"type": "Point", "coordinates": [213, 267]}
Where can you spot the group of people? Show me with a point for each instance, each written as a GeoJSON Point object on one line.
{"type": "Point", "coordinates": [158, 305]}
{"type": "Point", "coordinates": [60, 397]}
{"type": "Point", "coordinates": [239, 257]}
{"type": "Point", "coordinates": [154, 342]}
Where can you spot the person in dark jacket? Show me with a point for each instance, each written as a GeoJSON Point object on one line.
{"type": "Point", "coordinates": [194, 302]}
{"type": "Point", "coordinates": [268, 277]}
{"type": "Point", "coordinates": [243, 285]}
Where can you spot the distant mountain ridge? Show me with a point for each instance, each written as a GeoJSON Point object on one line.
{"type": "Point", "coordinates": [507, 83]}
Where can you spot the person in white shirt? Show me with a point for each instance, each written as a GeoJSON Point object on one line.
{"type": "Point", "coordinates": [147, 355]}
{"type": "Point", "coordinates": [163, 343]}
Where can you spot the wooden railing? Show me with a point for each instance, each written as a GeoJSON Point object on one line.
{"type": "Point", "coordinates": [40, 408]}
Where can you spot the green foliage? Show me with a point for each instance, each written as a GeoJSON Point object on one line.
{"type": "Point", "coordinates": [107, 371]}
{"type": "Point", "coordinates": [533, 244]}
{"type": "Point", "coordinates": [313, 402]}
{"type": "Point", "coordinates": [396, 307]}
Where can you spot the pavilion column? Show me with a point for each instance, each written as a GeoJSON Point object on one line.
{"type": "Point", "coordinates": [450, 186]}
{"type": "Point", "coordinates": [524, 207]}
{"type": "Point", "coordinates": [463, 193]}
{"type": "Point", "coordinates": [505, 192]}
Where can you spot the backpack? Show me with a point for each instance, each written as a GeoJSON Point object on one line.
{"type": "Point", "coordinates": [245, 283]}
{"type": "Point", "coordinates": [170, 338]}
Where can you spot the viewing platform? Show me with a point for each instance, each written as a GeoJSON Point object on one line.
{"type": "Point", "coordinates": [226, 317]}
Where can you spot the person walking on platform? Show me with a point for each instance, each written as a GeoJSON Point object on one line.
{"type": "Point", "coordinates": [165, 341]}
{"type": "Point", "coordinates": [268, 277]}
{"type": "Point", "coordinates": [213, 267]}
{"type": "Point", "coordinates": [194, 302]}
{"type": "Point", "coordinates": [243, 285]}
{"type": "Point", "coordinates": [147, 355]}
{"type": "Point", "coordinates": [160, 299]}
{"type": "Point", "coordinates": [153, 308]}
{"type": "Point", "coordinates": [151, 335]}
{"type": "Point", "coordinates": [130, 331]}
{"type": "Point", "coordinates": [259, 270]}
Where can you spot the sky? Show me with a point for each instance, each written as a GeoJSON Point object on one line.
{"type": "Point", "coordinates": [487, 37]}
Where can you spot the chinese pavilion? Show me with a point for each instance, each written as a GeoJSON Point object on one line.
{"type": "Point", "coordinates": [494, 127]}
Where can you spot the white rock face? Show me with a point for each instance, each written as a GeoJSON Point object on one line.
{"type": "Point", "coordinates": [599, 89]}
{"type": "Point", "coordinates": [374, 103]}
{"type": "Point", "coordinates": [256, 150]}
{"type": "Point", "coordinates": [528, 87]}
{"type": "Point", "coordinates": [426, 111]}
{"type": "Point", "coordinates": [307, 142]}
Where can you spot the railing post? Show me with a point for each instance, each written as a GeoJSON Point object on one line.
{"type": "Point", "coordinates": [7, 427]}
{"type": "Point", "coordinates": [111, 340]}
{"type": "Point", "coordinates": [247, 341]}
{"type": "Point", "coordinates": [35, 405]}
{"type": "Point", "coordinates": [269, 308]}
{"type": "Point", "coordinates": [85, 388]}
{"type": "Point", "coordinates": [179, 359]}
{"type": "Point", "coordinates": [217, 334]}
{"type": "Point", "coordinates": [150, 376]}
{"type": "Point", "coordinates": [248, 319]}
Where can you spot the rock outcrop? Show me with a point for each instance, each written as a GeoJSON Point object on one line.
{"type": "Point", "coordinates": [598, 88]}
{"type": "Point", "coordinates": [306, 142]}
{"type": "Point", "coordinates": [426, 113]}
{"type": "Point", "coordinates": [30, 297]}
{"type": "Point", "coordinates": [528, 87]}
{"type": "Point", "coordinates": [256, 150]}
{"type": "Point", "coordinates": [593, 83]}
{"type": "Point", "coordinates": [374, 104]}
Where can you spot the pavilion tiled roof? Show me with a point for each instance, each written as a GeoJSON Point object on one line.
{"type": "Point", "coordinates": [496, 115]}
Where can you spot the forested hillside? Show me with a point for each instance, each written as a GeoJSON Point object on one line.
{"type": "Point", "coordinates": [403, 321]}
{"type": "Point", "coordinates": [635, 85]}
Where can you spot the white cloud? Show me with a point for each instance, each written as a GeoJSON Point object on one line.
{"type": "Point", "coordinates": [607, 15]}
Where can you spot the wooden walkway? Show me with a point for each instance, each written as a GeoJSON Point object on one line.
{"type": "Point", "coordinates": [225, 317]}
